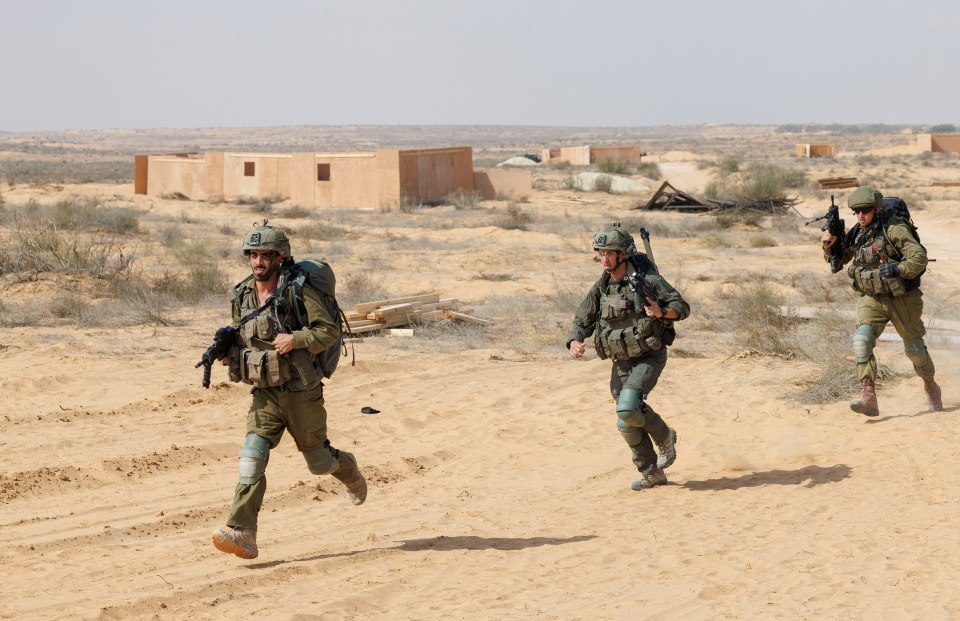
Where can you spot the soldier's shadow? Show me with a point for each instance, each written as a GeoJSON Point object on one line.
{"type": "Point", "coordinates": [810, 476]}
{"type": "Point", "coordinates": [446, 544]}
{"type": "Point", "coordinates": [874, 421]}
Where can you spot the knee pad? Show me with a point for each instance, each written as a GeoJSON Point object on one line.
{"type": "Point", "coordinates": [631, 435]}
{"type": "Point", "coordinates": [916, 350]}
{"type": "Point", "coordinates": [630, 408]}
{"type": "Point", "coordinates": [253, 459]}
{"type": "Point", "coordinates": [863, 340]}
{"type": "Point", "coordinates": [321, 460]}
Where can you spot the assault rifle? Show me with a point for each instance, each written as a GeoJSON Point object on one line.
{"type": "Point", "coordinates": [834, 224]}
{"type": "Point", "coordinates": [222, 342]}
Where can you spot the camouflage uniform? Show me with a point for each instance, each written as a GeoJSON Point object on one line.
{"type": "Point", "coordinates": [287, 391]}
{"type": "Point", "coordinates": [895, 299]}
{"type": "Point", "coordinates": [637, 346]}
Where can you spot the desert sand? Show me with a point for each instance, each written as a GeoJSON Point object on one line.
{"type": "Point", "coordinates": [499, 486]}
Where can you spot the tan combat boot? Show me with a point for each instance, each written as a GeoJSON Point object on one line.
{"type": "Point", "coordinates": [867, 404]}
{"type": "Point", "coordinates": [655, 478]}
{"type": "Point", "coordinates": [668, 449]}
{"type": "Point", "coordinates": [239, 541]}
{"type": "Point", "coordinates": [934, 401]}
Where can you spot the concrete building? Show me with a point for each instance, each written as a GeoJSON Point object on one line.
{"type": "Point", "coordinates": [939, 143]}
{"type": "Point", "coordinates": [586, 154]}
{"type": "Point", "coordinates": [816, 149]}
{"type": "Point", "coordinates": [381, 179]}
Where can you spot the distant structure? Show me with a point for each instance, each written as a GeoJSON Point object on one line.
{"type": "Point", "coordinates": [381, 179]}
{"type": "Point", "coordinates": [586, 154]}
{"type": "Point", "coordinates": [816, 149]}
{"type": "Point", "coordinates": [939, 143]}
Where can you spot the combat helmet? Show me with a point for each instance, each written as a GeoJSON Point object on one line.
{"type": "Point", "coordinates": [865, 196]}
{"type": "Point", "coordinates": [615, 237]}
{"type": "Point", "coordinates": [265, 237]}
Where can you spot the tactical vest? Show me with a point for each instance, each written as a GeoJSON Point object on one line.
{"type": "Point", "coordinates": [624, 331]}
{"type": "Point", "coordinates": [864, 271]}
{"type": "Point", "coordinates": [255, 361]}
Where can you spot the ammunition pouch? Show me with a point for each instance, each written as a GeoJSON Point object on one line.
{"type": "Point", "coordinates": [870, 281]}
{"type": "Point", "coordinates": [261, 366]}
{"type": "Point", "coordinates": [624, 343]}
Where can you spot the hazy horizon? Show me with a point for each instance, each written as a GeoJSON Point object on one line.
{"type": "Point", "coordinates": [108, 64]}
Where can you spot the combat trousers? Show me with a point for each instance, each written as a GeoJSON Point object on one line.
{"type": "Point", "coordinates": [273, 411]}
{"type": "Point", "coordinates": [641, 374]}
{"type": "Point", "coordinates": [904, 312]}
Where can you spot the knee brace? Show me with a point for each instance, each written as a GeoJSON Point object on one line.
{"type": "Point", "coordinates": [916, 350]}
{"type": "Point", "coordinates": [321, 460]}
{"type": "Point", "coordinates": [253, 459]}
{"type": "Point", "coordinates": [863, 340]}
{"type": "Point", "coordinates": [630, 408]}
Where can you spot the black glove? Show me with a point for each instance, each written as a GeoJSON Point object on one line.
{"type": "Point", "coordinates": [889, 270]}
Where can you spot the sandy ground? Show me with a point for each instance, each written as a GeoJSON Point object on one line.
{"type": "Point", "coordinates": [499, 486]}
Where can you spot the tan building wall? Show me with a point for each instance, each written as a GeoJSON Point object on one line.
{"type": "Point", "coordinates": [586, 154]}
{"type": "Point", "coordinates": [816, 149]}
{"type": "Point", "coordinates": [628, 153]}
{"type": "Point", "coordinates": [311, 179]}
{"type": "Point", "coordinates": [427, 176]}
{"type": "Point", "coordinates": [939, 143]}
{"type": "Point", "coordinates": [492, 184]}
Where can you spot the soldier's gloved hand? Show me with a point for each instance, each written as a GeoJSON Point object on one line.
{"type": "Point", "coordinates": [889, 270]}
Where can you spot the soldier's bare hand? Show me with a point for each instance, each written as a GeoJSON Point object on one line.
{"type": "Point", "coordinates": [577, 348]}
{"type": "Point", "coordinates": [827, 239]}
{"type": "Point", "coordinates": [653, 309]}
{"type": "Point", "coordinates": [283, 343]}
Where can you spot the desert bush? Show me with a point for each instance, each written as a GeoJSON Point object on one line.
{"type": "Point", "coordinates": [603, 183]}
{"type": "Point", "coordinates": [69, 306]}
{"type": "Point", "coordinates": [569, 183]}
{"type": "Point", "coordinates": [565, 296]}
{"type": "Point", "coordinates": [757, 323]}
{"type": "Point", "coordinates": [825, 341]}
{"type": "Point", "coordinates": [174, 196]}
{"type": "Point", "coordinates": [320, 231]}
{"type": "Point", "coordinates": [463, 199]}
{"type": "Point", "coordinates": [191, 250]}
{"type": "Point", "coordinates": [515, 218]}
{"type": "Point", "coordinates": [746, 217]}
{"type": "Point", "coordinates": [762, 241]}
{"type": "Point", "coordinates": [650, 170]}
{"type": "Point", "coordinates": [136, 303]}
{"type": "Point", "coordinates": [729, 164]}
{"type": "Point", "coordinates": [296, 211]}
{"type": "Point", "coordinates": [199, 283]}
{"type": "Point", "coordinates": [357, 287]}
{"type": "Point", "coordinates": [618, 165]}
{"type": "Point", "coordinates": [446, 336]}
{"type": "Point", "coordinates": [765, 181]}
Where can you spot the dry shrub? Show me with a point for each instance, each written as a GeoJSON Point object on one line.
{"type": "Point", "coordinates": [463, 199]}
{"type": "Point", "coordinates": [494, 277]}
{"type": "Point", "coordinates": [515, 218]}
{"type": "Point", "coordinates": [445, 336]}
{"type": "Point", "coordinates": [357, 287]}
{"type": "Point", "coordinates": [200, 282]}
{"type": "Point", "coordinates": [603, 183]}
{"type": "Point", "coordinates": [618, 165]}
{"type": "Point", "coordinates": [826, 341]}
{"type": "Point", "coordinates": [756, 323]}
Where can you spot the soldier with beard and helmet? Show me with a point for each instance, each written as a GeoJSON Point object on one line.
{"type": "Point", "coordinates": [277, 353]}
{"type": "Point", "coordinates": [886, 261]}
{"type": "Point", "coordinates": [630, 311]}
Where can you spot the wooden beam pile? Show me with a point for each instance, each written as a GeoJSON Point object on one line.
{"type": "Point", "coordinates": [833, 183]}
{"type": "Point", "coordinates": [397, 312]}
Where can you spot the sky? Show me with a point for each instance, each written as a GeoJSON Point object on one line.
{"type": "Point", "coordinates": [130, 64]}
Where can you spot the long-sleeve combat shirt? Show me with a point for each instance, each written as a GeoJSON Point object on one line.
{"type": "Point", "coordinates": [588, 314]}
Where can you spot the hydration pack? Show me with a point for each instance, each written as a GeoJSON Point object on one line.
{"type": "Point", "coordinates": [895, 211]}
{"type": "Point", "coordinates": [319, 276]}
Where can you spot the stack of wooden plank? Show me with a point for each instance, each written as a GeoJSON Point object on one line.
{"type": "Point", "coordinates": [832, 183]}
{"type": "Point", "coordinates": [405, 311]}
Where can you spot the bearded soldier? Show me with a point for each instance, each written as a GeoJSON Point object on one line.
{"type": "Point", "coordinates": [630, 311]}
{"type": "Point", "coordinates": [281, 325]}
{"type": "Point", "coordinates": [886, 261]}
